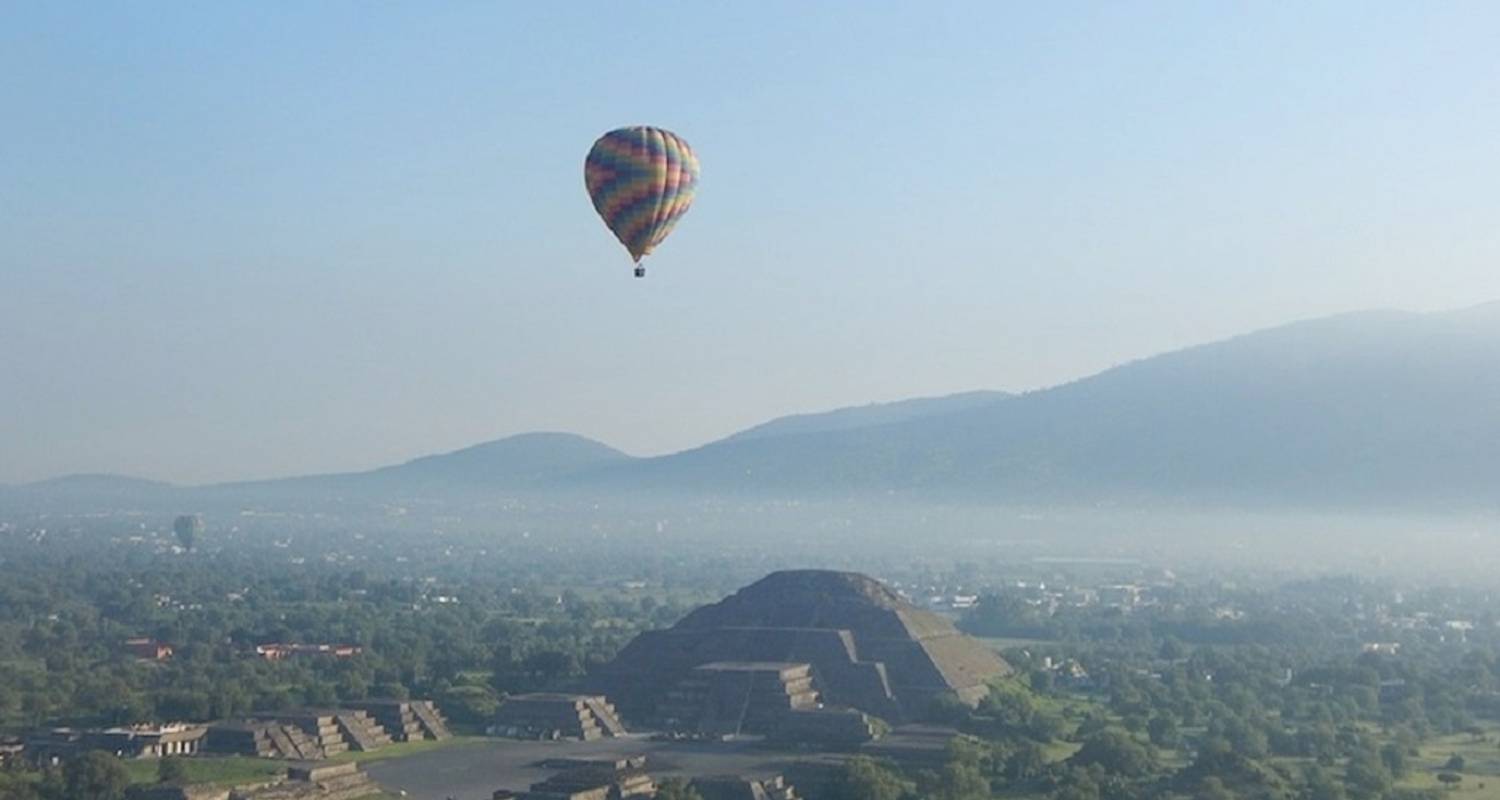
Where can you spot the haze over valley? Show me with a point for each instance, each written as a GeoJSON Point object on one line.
{"type": "Point", "coordinates": [1382, 409]}
{"type": "Point", "coordinates": [762, 401]}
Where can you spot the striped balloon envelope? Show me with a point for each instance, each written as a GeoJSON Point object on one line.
{"type": "Point", "coordinates": [642, 181]}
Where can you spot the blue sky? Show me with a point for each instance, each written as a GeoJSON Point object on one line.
{"type": "Point", "coordinates": [254, 239]}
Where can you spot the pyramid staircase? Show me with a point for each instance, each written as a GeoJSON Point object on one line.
{"type": "Point", "coordinates": [290, 742]}
{"type": "Point", "coordinates": [558, 716]}
{"type": "Point", "coordinates": [605, 715]}
{"type": "Point", "coordinates": [596, 780]}
{"type": "Point", "coordinates": [362, 733]}
{"type": "Point", "coordinates": [434, 724]}
{"type": "Point", "coordinates": [321, 727]}
{"type": "Point", "coordinates": [262, 739]}
{"type": "Point", "coordinates": [405, 720]}
{"type": "Point", "coordinates": [396, 716]}
{"type": "Point", "coordinates": [734, 697]}
{"type": "Point", "coordinates": [282, 743]}
{"type": "Point", "coordinates": [302, 746]}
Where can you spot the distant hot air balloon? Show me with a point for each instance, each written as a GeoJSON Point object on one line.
{"type": "Point", "coordinates": [642, 181]}
{"type": "Point", "coordinates": [187, 527]}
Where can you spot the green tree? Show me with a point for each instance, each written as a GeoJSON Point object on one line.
{"type": "Point", "coordinates": [1077, 784]}
{"type": "Point", "coordinates": [392, 690]}
{"type": "Point", "coordinates": [95, 775]}
{"type": "Point", "coordinates": [947, 707]}
{"type": "Point", "coordinates": [1025, 762]}
{"type": "Point", "coordinates": [1162, 730]}
{"type": "Point", "coordinates": [171, 771]}
{"type": "Point", "coordinates": [470, 704]}
{"type": "Point", "coordinates": [1320, 741]}
{"type": "Point", "coordinates": [960, 781]}
{"type": "Point", "coordinates": [16, 786]}
{"type": "Point", "coordinates": [1245, 737]}
{"type": "Point", "coordinates": [1213, 788]}
{"type": "Point", "coordinates": [1365, 776]}
{"type": "Point", "coordinates": [1116, 752]}
{"type": "Point", "coordinates": [1041, 680]}
{"type": "Point", "coordinates": [1320, 785]}
{"type": "Point", "coordinates": [863, 779]}
{"type": "Point", "coordinates": [1395, 760]}
{"type": "Point", "coordinates": [963, 777]}
{"type": "Point", "coordinates": [676, 789]}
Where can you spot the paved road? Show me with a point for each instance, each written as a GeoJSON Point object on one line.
{"type": "Point", "coordinates": [472, 771]}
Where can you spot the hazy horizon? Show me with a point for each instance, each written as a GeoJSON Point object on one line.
{"type": "Point", "coordinates": [1021, 401]}
{"type": "Point", "coordinates": [1357, 318]}
{"type": "Point", "coordinates": [242, 242]}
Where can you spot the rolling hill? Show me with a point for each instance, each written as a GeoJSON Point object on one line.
{"type": "Point", "coordinates": [1371, 409]}
{"type": "Point", "coordinates": [1376, 407]}
{"type": "Point", "coordinates": [523, 462]}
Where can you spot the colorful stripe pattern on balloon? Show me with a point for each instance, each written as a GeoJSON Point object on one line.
{"type": "Point", "coordinates": [642, 180]}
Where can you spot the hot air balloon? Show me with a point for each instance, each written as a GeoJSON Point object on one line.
{"type": "Point", "coordinates": [642, 180]}
{"type": "Point", "coordinates": [187, 527]}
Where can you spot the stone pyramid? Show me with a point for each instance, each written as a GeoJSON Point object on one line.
{"type": "Point", "coordinates": [868, 648]}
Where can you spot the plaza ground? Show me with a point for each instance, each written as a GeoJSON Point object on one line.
{"type": "Point", "coordinates": [472, 769]}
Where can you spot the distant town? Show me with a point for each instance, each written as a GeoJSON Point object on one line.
{"type": "Point", "coordinates": [274, 656]}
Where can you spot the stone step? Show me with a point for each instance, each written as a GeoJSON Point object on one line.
{"type": "Point", "coordinates": [361, 733]}
{"type": "Point", "coordinates": [433, 721]}
{"type": "Point", "coordinates": [604, 714]}
{"type": "Point", "coordinates": [308, 748]}
{"type": "Point", "coordinates": [286, 747]}
{"type": "Point", "coordinates": [406, 732]}
{"type": "Point", "coordinates": [345, 781]}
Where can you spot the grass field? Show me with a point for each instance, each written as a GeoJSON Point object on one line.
{"type": "Point", "coordinates": [221, 771]}
{"type": "Point", "coordinates": [1481, 772]}
{"type": "Point", "coordinates": [1059, 751]}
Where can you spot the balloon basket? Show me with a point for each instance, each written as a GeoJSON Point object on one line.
{"type": "Point", "coordinates": [640, 272]}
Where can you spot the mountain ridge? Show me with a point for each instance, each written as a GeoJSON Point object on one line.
{"type": "Point", "coordinates": [1349, 408]}
{"type": "Point", "coordinates": [868, 415]}
{"type": "Point", "coordinates": [521, 461]}
{"type": "Point", "coordinates": [1370, 406]}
